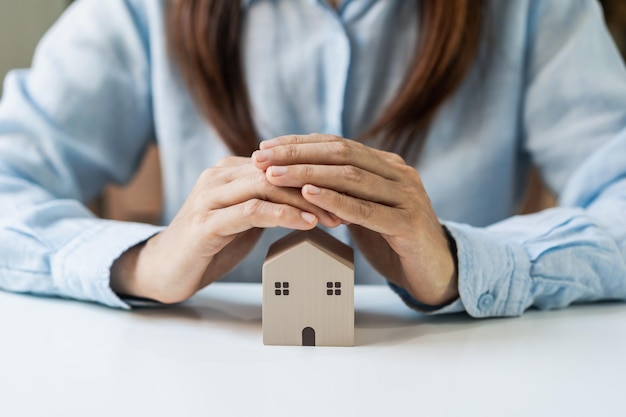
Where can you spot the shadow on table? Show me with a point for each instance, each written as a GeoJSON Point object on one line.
{"type": "Point", "coordinates": [389, 329]}
{"type": "Point", "coordinates": [207, 308]}
{"type": "Point", "coordinates": [379, 326]}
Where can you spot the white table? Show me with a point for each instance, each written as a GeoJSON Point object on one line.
{"type": "Point", "coordinates": [206, 358]}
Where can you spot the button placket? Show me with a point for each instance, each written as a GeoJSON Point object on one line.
{"type": "Point", "coordinates": [337, 69]}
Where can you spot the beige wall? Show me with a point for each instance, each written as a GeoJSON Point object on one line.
{"type": "Point", "coordinates": [22, 24]}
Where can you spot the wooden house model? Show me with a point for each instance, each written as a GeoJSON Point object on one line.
{"type": "Point", "coordinates": [308, 291]}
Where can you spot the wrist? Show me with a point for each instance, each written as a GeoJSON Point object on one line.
{"type": "Point", "coordinates": [453, 285]}
{"type": "Point", "coordinates": [443, 283]}
{"type": "Point", "coordinates": [124, 273]}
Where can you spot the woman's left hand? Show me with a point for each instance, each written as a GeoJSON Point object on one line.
{"type": "Point", "coordinates": [380, 197]}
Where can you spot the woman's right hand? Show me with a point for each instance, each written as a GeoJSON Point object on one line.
{"type": "Point", "coordinates": [217, 226]}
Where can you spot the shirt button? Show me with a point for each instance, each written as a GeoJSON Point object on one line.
{"type": "Point", "coordinates": [486, 301]}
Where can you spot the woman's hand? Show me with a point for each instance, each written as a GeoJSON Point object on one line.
{"type": "Point", "coordinates": [380, 197]}
{"type": "Point", "coordinates": [215, 229]}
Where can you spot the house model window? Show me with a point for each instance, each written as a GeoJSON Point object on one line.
{"type": "Point", "coordinates": [329, 288]}
{"type": "Point", "coordinates": [316, 271]}
{"type": "Point", "coordinates": [281, 288]}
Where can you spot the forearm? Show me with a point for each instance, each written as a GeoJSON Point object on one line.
{"type": "Point", "coordinates": [56, 246]}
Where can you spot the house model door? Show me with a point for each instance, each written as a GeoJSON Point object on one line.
{"type": "Point", "coordinates": [308, 336]}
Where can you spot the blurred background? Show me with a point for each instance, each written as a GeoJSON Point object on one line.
{"type": "Point", "coordinates": [23, 22]}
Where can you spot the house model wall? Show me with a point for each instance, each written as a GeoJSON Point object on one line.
{"type": "Point", "coordinates": [308, 291]}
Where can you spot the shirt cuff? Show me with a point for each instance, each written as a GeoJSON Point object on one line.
{"type": "Point", "coordinates": [82, 268]}
{"type": "Point", "coordinates": [494, 275]}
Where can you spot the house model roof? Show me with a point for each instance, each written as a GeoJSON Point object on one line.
{"type": "Point", "coordinates": [316, 237]}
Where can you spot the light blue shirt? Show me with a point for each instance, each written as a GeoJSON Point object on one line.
{"type": "Point", "coordinates": [548, 87]}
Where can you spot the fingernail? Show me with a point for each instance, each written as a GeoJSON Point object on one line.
{"type": "Point", "coordinates": [278, 171]}
{"type": "Point", "coordinates": [311, 189]}
{"type": "Point", "coordinates": [267, 143]}
{"type": "Point", "coordinates": [308, 217]}
{"type": "Point", "coordinates": [262, 156]}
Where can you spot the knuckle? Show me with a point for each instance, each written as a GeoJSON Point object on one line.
{"type": "Point", "coordinates": [395, 158]}
{"type": "Point", "coordinates": [291, 152]}
{"type": "Point", "coordinates": [306, 171]}
{"type": "Point", "coordinates": [408, 217]}
{"type": "Point", "coordinates": [364, 209]}
{"type": "Point", "coordinates": [406, 189]}
{"type": "Point", "coordinates": [207, 175]}
{"type": "Point", "coordinates": [252, 207]}
{"type": "Point", "coordinates": [263, 186]}
{"type": "Point", "coordinates": [287, 139]}
{"type": "Point", "coordinates": [225, 161]}
{"type": "Point", "coordinates": [199, 215]}
{"type": "Point", "coordinates": [280, 211]}
{"type": "Point", "coordinates": [408, 171]}
{"type": "Point", "coordinates": [353, 174]}
{"type": "Point", "coordinates": [343, 149]}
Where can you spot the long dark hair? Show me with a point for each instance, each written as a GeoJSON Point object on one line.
{"type": "Point", "coordinates": [204, 40]}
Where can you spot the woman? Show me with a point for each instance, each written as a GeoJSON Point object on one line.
{"type": "Point", "coordinates": [469, 92]}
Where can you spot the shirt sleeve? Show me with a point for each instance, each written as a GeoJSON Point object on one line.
{"type": "Point", "coordinates": [575, 131]}
{"type": "Point", "coordinates": [78, 119]}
